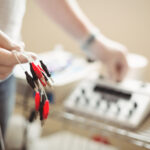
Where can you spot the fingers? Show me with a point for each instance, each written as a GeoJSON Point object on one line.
{"type": "Point", "coordinates": [118, 70]}
{"type": "Point", "coordinates": [123, 70]}
{"type": "Point", "coordinates": [4, 76]}
{"type": "Point", "coordinates": [31, 54]}
{"type": "Point", "coordinates": [112, 72]}
{"type": "Point", "coordinates": [22, 45]}
{"type": "Point", "coordinates": [22, 58]}
{"type": "Point", "coordinates": [122, 67]}
{"type": "Point", "coordinates": [7, 58]}
{"type": "Point", "coordinates": [7, 43]}
{"type": "Point", "coordinates": [5, 69]}
{"type": "Point", "coordinates": [7, 62]}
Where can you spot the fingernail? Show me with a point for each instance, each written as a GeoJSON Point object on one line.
{"type": "Point", "coordinates": [16, 47]}
{"type": "Point", "coordinates": [33, 55]}
{"type": "Point", "coordinates": [22, 45]}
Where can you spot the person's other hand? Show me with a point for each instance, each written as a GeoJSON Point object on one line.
{"type": "Point", "coordinates": [113, 55]}
{"type": "Point", "coordinates": [7, 58]}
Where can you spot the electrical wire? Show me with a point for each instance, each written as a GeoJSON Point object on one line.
{"type": "Point", "coordinates": [42, 89]}
{"type": "Point", "coordinates": [30, 59]}
{"type": "Point", "coordinates": [15, 54]}
{"type": "Point", "coordinates": [1, 140]}
{"type": "Point", "coordinates": [23, 52]}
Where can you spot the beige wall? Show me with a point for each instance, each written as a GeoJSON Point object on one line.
{"type": "Point", "coordinates": [126, 21]}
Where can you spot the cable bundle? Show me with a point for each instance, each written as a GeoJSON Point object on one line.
{"type": "Point", "coordinates": [38, 78]}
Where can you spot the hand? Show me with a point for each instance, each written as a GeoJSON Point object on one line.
{"type": "Point", "coordinates": [7, 58]}
{"type": "Point", "coordinates": [113, 55]}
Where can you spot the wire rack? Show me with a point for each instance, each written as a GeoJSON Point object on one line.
{"type": "Point", "coordinates": [139, 137]}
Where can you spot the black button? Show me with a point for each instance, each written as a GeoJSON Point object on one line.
{"type": "Point", "coordinates": [130, 113]}
{"type": "Point", "coordinates": [77, 100]}
{"type": "Point", "coordinates": [98, 103]}
{"type": "Point", "coordinates": [135, 105]}
{"type": "Point", "coordinates": [108, 104]}
{"type": "Point", "coordinates": [118, 110]}
{"type": "Point", "coordinates": [89, 60]}
{"type": "Point", "coordinates": [143, 84]}
{"type": "Point", "coordinates": [83, 91]}
{"type": "Point", "coordinates": [101, 76]}
{"type": "Point", "coordinates": [103, 97]}
{"type": "Point", "coordinates": [87, 100]}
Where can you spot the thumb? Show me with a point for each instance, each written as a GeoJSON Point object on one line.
{"type": "Point", "coordinates": [123, 71]}
{"type": "Point", "coordinates": [21, 58]}
{"type": "Point", "coordinates": [112, 72]}
{"type": "Point", "coordinates": [11, 58]}
{"type": "Point", "coordinates": [7, 43]}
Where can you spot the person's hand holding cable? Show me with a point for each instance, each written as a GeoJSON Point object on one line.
{"type": "Point", "coordinates": [7, 58]}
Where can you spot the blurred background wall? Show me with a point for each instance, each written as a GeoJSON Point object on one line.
{"type": "Point", "coordinates": [127, 21]}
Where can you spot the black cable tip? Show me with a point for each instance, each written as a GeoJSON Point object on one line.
{"type": "Point", "coordinates": [45, 68]}
{"type": "Point", "coordinates": [30, 80]}
{"type": "Point", "coordinates": [32, 116]}
{"type": "Point", "coordinates": [35, 78]}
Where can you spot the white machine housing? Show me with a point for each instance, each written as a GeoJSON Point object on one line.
{"type": "Point", "coordinates": [126, 103]}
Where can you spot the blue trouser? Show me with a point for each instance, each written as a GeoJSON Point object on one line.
{"type": "Point", "coordinates": [7, 99]}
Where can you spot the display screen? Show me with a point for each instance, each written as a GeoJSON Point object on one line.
{"type": "Point", "coordinates": [112, 92]}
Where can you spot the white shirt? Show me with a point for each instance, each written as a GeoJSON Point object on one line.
{"type": "Point", "coordinates": [11, 16]}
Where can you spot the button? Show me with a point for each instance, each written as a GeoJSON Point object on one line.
{"type": "Point", "coordinates": [83, 91]}
{"type": "Point", "coordinates": [130, 113]}
{"type": "Point", "coordinates": [103, 97]}
{"type": "Point", "coordinates": [87, 101]}
{"type": "Point", "coordinates": [97, 103]}
{"type": "Point", "coordinates": [101, 76]}
{"type": "Point", "coordinates": [77, 100]}
{"type": "Point", "coordinates": [143, 84]}
{"type": "Point", "coordinates": [108, 105]}
{"type": "Point", "coordinates": [103, 105]}
{"type": "Point", "coordinates": [135, 105]}
{"type": "Point", "coordinates": [118, 110]}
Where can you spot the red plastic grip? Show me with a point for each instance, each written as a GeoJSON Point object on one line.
{"type": "Point", "coordinates": [37, 71]}
{"type": "Point", "coordinates": [40, 68]}
{"type": "Point", "coordinates": [37, 101]}
{"type": "Point", "coordinates": [46, 109]}
{"type": "Point", "coordinates": [98, 138]}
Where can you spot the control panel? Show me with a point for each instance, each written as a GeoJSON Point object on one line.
{"type": "Point", "coordinates": [126, 103]}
